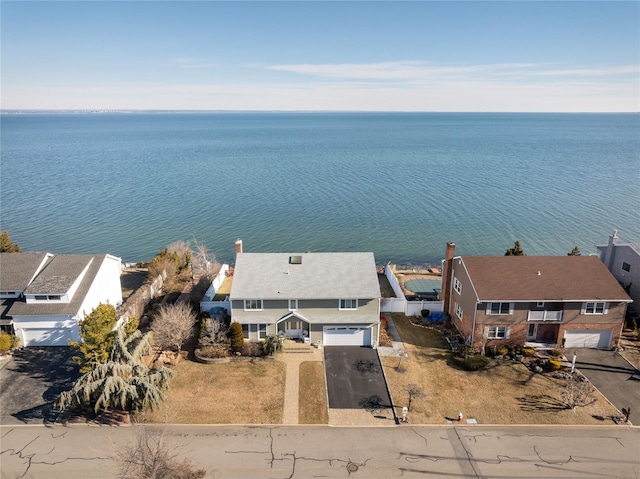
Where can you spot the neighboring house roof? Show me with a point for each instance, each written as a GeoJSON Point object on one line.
{"type": "Point", "coordinates": [18, 269]}
{"type": "Point", "coordinates": [318, 276]}
{"type": "Point", "coordinates": [542, 278]}
{"type": "Point", "coordinates": [58, 276]}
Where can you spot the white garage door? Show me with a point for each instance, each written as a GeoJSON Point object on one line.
{"type": "Point", "coordinates": [347, 336]}
{"type": "Point", "coordinates": [588, 339]}
{"type": "Point", "coordinates": [47, 337]}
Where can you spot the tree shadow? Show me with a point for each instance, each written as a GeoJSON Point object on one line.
{"type": "Point", "coordinates": [541, 403]}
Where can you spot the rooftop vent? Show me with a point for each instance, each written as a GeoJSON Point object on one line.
{"type": "Point", "coordinates": [295, 259]}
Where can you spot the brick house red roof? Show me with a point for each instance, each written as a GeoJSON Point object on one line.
{"type": "Point", "coordinates": [542, 278]}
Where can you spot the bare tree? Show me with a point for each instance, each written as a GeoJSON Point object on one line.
{"type": "Point", "coordinates": [173, 325]}
{"type": "Point", "coordinates": [414, 391]}
{"type": "Point", "coordinates": [149, 457]}
{"type": "Point", "coordinates": [204, 263]}
{"type": "Point", "coordinates": [577, 395]}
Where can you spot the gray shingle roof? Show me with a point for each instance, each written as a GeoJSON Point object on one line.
{"type": "Point", "coordinates": [319, 276]}
{"type": "Point", "coordinates": [59, 274]}
{"type": "Point", "coordinates": [17, 269]}
{"type": "Point", "coordinates": [561, 278]}
{"type": "Point", "coordinates": [20, 308]}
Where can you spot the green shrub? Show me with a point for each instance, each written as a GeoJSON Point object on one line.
{"type": "Point", "coordinates": [472, 363]}
{"type": "Point", "coordinates": [236, 337]}
{"type": "Point", "coordinates": [491, 351]}
{"type": "Point", "coordinates": [553, 364]}
{"type": "Point", "coordinates": [527, 352]}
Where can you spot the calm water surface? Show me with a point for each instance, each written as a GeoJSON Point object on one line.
{"type": "Point", "coordinates": [400, 184]}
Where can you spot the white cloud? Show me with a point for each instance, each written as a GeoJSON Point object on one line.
{"type": "Point", "coordinates": [411, 71]}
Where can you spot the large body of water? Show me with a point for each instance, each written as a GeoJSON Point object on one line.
{"type": "Point", "coordinates": [398, 184]}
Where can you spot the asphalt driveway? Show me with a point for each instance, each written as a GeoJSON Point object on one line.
{"type": "Point", "coordinates": [31, 381]}
{"type": "Point", "coordinates": [354, 378]}
{"type": "Point", "coordinates": [614, 377]}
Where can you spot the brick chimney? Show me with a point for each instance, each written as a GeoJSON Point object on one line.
{"type": "Point", "coordinates": [238, 246]}
{"type": "Point", "coordinates": [445, 294]}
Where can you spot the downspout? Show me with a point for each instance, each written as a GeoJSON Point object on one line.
{"type": "Point", "coordinates": [473, 330]}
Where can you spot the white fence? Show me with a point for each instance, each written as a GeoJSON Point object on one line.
{"type": "Point", "coordinates": [206, 304]}
{"type": "Point", "coordinates": [399, 304]}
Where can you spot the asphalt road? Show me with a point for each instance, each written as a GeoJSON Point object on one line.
{"type": "Point", "coordinates": [306, 451]}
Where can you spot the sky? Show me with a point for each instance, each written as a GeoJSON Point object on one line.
{"type": "Point", "coordinates": [577, 56]}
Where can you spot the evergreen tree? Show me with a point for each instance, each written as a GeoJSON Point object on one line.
{"type": "Point", "coordinates": [123, 382]}
{"type": "Point", "coordinates": [236, 337]}
{"type": "Point", "coordinates": [6, 245]}
{"type": "Point", "coordinates": [515, 251]}
{"type": "Point", "coordinates": [97, 337]}
{"type": "Point", "coordinates": [574, 252]}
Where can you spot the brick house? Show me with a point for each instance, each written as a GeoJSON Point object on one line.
{"type": "Point", "coordinates": [555, 300]}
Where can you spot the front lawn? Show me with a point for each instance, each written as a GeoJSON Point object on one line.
{"type": "Point", "coordinates": [231, 393]}
{"type": "Point", "coordinates": [505, 393]}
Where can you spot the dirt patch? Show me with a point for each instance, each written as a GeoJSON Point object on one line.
{"type": "Point", "coordinates": [505, 393]}
{"type": "Point", "coordinates": [630, 347]}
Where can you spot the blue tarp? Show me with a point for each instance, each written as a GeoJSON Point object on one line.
{"type": "Point", "coordinates": [436, 317]}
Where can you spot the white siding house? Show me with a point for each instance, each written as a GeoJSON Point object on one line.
{"type": "Point", "coordinates": [45, 296]}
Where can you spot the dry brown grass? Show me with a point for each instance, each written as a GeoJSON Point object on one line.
{"type": "Point", "coordinates": [505, 393]}
{"type": "Point", "coordinates": [312, 397]}
{"type": "Point", "coordinates": [231, 393]}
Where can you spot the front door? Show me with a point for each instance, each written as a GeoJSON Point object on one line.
{"type": "Point", "coordinates": [532, 332]}
{"type": "Point", "coordinates": [293, 328]}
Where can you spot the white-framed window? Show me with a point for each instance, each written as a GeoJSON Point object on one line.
{"type": "Point", "coordinates": [49, 297]}
{"type": "Point", "coordinates": [459, 311]}
{"type": "Point", "coordinates": [497, 332]}
{"type": "Point", "coordinates": [596, 307]}
{"type": "Point", "coordinates": [253, 305]}
{"type": "Point", "coordinates": [499, 308]}
{"type": "Point", "coordinates": [348, 304]}
{"type": "Point", "coordinates": [457, 285]}
{"type": "Point", "coordinates": [626, 266]}
{"type": "Point", "coordinates": [293, 304]}
{"type": "Point", "coordinates": [258, 330]}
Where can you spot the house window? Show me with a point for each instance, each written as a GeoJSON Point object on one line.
{"type": "Point", "coordinates": [54, 297]}
{"type": "Point", "coordinates": [293, 304]}
{"type": "Point", "coordinates": [458, 311]}
{"type": "Point", "coordinates": [497, 332]}
{"type": "Point", "coordinates": [41, 297]}
{"type": "Point", "coordinates": [253, 305]}
{"type": "Point", "coordinates": [348, 304]}
{"type": "Point", "coordinates": [626, 266]}
{"type": "Point", "coordinates": [457, 285]}
{"type": "Point", "coordinates": [595, 308]}
{"type": "Point", "coordinates": [500, 308]}
{"type": "Point", "coordinates": [258, 330]}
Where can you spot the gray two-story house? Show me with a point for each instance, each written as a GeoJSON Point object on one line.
{"type": "Point", "coordinates": [623, 260]}
{"type": "Point", "coordinates": [330, 299]}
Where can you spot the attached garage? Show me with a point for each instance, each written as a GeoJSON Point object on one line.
{"type": "Point", "coordinates": [346, 336]}
{"type": "Point", "coordinates": [588, 339]}
{"type": "Point", "coordinates": [49, 337]}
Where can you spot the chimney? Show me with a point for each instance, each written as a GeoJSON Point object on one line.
{"type": "Point", "coordinates": [445, 293]}
{"type": "Point", "coordinates": [238, 246]}
{"type": "Point", "coordinates": [608, 254]}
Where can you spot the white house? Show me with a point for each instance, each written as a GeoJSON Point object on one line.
{"type": "Point", "coordinates": [329, 298]}
{"type": "Point", "coordinates": [623, 260]}
{"type": "Point", "coordinates": [44, 296]}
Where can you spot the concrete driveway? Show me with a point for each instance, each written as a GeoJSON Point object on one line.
{"type": "Point", "coordinates": [31, 381]}
{"type": "Point", "coordinates": [354, 377]}
{"type": "Point", "coordinates": [614, 377]}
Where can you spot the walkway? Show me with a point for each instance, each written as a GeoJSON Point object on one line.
{"type": "Point", "coordinates": [292, 382]}
{"type": "Point", "coordinates": [396, 346]}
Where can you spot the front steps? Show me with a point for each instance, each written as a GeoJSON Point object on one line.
{"type": "Point", "coordinates": [291, 346]}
